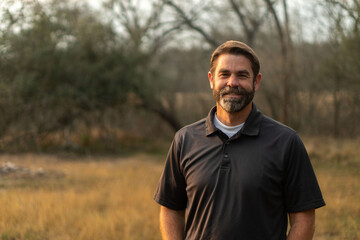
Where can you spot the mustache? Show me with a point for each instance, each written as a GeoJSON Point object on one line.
{"type": "Point", "coordinates": [233, 90]}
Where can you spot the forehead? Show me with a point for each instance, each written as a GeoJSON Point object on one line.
{"type": "Point", "coordinates": [233, 63]}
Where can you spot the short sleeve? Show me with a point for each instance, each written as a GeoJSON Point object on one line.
{"type": "Point", "coordinates": [301, 188]}
{"type": "Point", "coordinates": [171, 189]}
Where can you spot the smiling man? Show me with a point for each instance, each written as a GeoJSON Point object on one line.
{"type": "Point", "coordinates": [237, 174]}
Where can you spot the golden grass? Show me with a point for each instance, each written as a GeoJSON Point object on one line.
{"type": "Point", "coordinates": [340, 218]}
{"type": "Point", "coordinates": [111, 197]}
{"type": "Point", "coordinates": [107, 199]}
{"type": "Point", "coordinates": [337, 165]}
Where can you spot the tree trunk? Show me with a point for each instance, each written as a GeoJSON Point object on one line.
{"type": "Point", "coordinates": [168, 116]}
{"type": "Point", "coordinates": [337, 101]}
{"type": "Point", "coordinates": [284, 38]}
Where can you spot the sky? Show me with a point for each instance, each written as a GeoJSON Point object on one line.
{"type": "Point", "coordinates": [301, 10]}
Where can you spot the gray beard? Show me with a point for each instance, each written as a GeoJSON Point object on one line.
{"type": "Point", "coordinates": [233, 105]}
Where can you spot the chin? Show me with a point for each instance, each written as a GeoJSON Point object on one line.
{"type": "Point", "coordinates": [232, 107]}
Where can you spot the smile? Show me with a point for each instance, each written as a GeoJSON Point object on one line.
{"type": "Point", "coordinates": [232, 95]}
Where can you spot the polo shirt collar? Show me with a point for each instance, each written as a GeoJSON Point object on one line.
{"type": "Point", "coordinates": [251, 126]}
{"type": "Point", "coordinates": [253, 122]}
{"type": "Point", "coordinates": [210, 126]}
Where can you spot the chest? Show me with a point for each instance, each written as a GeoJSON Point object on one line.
{"type": "Point", "coordinates": [236, 167]}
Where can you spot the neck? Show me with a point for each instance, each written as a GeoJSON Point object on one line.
{"type": "Point", "coordinates": [233, 119]}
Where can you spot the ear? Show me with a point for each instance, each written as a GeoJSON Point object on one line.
{"type": "Point", "coordinates": [257, 82]}
{"type": "Point", "coordinates": [211, 80]}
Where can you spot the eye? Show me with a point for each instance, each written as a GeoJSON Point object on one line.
{"type": "Point", "coordinates": [243, 76]}
{"type": "Point", "coordinates": [223, 75]}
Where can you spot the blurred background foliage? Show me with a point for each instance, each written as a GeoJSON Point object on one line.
{"type": "Point", "coordinates": [128, 73]}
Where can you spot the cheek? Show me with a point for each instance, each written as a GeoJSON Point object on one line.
{"type": "Point", "coordinates": [247, 85]}
{"type": "Point", "coordinates": [219, 84]}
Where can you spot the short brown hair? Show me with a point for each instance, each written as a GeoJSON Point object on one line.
{"type": "Point", "coordinates": [236, 48]}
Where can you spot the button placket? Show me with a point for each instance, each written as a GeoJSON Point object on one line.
{"type": "Point", "coordinates": [225, 163]}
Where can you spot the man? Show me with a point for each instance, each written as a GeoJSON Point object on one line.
{"type": "Point", "coordinates": [237, 173]}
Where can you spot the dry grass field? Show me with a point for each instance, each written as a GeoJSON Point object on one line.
{"type": "Point", "coordinates": [337, 165]}
{"type": "Point", "coordinates": [67, 197]}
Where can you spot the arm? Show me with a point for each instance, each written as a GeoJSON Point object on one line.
{"type": "Point", "coordinates": [302, 225]}
{"type": "Point", "coordinates": [172, 224]}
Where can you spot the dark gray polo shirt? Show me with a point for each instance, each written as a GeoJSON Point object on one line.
{"type": "Point", "coordinates": [238, 188]}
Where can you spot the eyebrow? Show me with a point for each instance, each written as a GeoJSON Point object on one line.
{"type": "Point", "coordinates": [238, 72]}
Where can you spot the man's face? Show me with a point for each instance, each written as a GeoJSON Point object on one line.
{"type": "Point", "coordinates": [233, 82]}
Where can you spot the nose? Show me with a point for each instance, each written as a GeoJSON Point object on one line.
{"type": "Point", "coordinates": [232, 82]}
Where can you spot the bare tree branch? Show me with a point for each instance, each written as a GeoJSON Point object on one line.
{"type": "Point", "coordinates": [241, 16]}
{"type": "Point", "coordinates": [279, 29]}
{"type": "Point", "coordinates": [188, 21]}
{"type": "Point", "coordinates": [354, 12]}
{"type": "Point", "coordinates": [346, 7]}
{"type": "Point", "coordinates": [255, 23]}
{"type": "Point", "coordinates": [338, 8]}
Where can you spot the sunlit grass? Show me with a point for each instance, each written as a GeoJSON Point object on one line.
{"type": "Point", "coordinates": [337, 164]}
{"type": "Point", "coordinates": [107, 199]}
{"type": "Point", "coordinates": [111, 197]}
{"type": "Point", "coordinates": [340, 219]}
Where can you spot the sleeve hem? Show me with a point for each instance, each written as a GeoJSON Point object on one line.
{"type": "Point", "coordinates": [310, 205]}
{"type": "Point", "coordinates": [168, 204]}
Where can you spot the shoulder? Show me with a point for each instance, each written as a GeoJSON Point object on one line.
{"type": "Point", "coordinates": [191, 130]}
{"type": "Point", "coordinates": [188, 136]}
{"type": "Point", "coordinates": [270, 125]}
{"type": "Point", "coordinates": [283, 137]}
{"type": "Point", "coordinates": [279, 134]}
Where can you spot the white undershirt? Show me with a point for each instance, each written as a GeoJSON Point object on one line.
{"type": "Point", "coordinates": [228, 130]}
